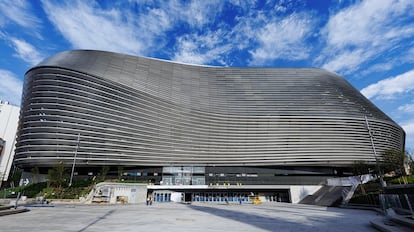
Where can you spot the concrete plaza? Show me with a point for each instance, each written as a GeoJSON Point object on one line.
{"type": "Point", "coordinates": [194, 217]}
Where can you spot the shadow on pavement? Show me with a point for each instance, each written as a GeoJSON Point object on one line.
{"type": "Point", "coordinates": [263, 222]}
{"type": "Point", "coordinates": [97, 220]}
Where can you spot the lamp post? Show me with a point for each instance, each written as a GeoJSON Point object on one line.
{"type": "Point", "coordinates": [74, 160]}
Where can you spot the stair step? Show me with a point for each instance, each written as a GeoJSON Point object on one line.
{"type": "Point", "coordinates": [13, 211]}
{"type": "Point", "coordinates": [386, 225]}
{"type": "Point", "coordinates": [405, 221]}
{"type": "Point", "coordinates": [325, 196]}
{"type": "Point", "coordinates": [5, 207]}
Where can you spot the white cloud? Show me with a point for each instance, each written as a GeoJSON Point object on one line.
{"type": "Point", "coordinates": [26, 51]}
{"type": "Point", "coordinates": [202, 49]}
{"type": "Point", "coordinates": [378, 68]}
{"type": "Point", "coordinates": [409, 57]}
{"type": "Point", "coordinates": [367, 29]}
{"type": "Point", "coordinates": [134, 30]}
{"type": "Point", "coordinates": [409, 130]}
{"type": "Point", "coordinates": [283, 39]}
{"type": "Point", "coordinates": [19, 12]}
{"type": "Point", "coordinates": [390, 87]}
{"type": "Point", "coordinates": [349, 59]}
{"type": "Point", "coordinates": [195, 13]}
{"type": "Point", "coordinates": [245, 5]}
{"type": "Point", "coordinates": [145, 28]}
{"type": "Point", "coordinates": [409, 108]}
{"type": "Point", "coordinates": [156, 21]}
{"type": "Point", "coordinates": [199, 13]}
{"type": "Point", "coordinates": [10, 87]}
{"type": "Point", "coordinates": [87, 26]}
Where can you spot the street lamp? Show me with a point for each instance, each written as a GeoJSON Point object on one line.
{"type": "Point", "coordinates": [74, 160]}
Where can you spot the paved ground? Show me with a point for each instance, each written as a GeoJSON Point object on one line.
{"type": "Point", "coordinates": [194, 217]}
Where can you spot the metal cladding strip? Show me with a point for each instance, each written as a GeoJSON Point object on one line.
{"type": "Point", "coordinates": [138, 111]}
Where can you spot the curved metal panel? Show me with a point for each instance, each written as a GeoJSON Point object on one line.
{"type": "Point", "coordinates": [138, 111]}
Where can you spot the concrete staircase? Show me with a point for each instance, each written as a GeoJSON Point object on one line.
{"type": "Point", "coordinates": [8, 210]}
{"type": "Point", "coordinates": [335, 190]}
{"type": "Point", "coordinates": [394, 223]}
{"type": "Point", "coordinates": [325, 196]}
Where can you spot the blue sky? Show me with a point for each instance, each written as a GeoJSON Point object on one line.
{"type": "Point", "coordinates": [369, 42]}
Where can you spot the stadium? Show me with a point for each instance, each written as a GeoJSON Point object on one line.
{"type": "Point", "coordinates": [204, 131]}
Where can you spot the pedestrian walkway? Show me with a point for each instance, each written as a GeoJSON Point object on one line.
{"type": "Point", "coordinates": [192, 217]}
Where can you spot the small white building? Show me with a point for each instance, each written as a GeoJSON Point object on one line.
{"type": "Point", "coordinates": [9, 118]}
{"type": "Point", "coordinates": [108, 192]}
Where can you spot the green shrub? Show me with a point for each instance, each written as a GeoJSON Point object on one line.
{"type": "Point", "coordinates": [399, 180]}
{"type": "Point", "coordinates": [368, 199]}
{"type": "Point", "coordinates": [33, 189]}
{"type": "Point", "coordinates": [79, 188]}
{"type": "Point", "coordinates": [9, 193]}
{"type": "Point", "coordinates": [51, 193]}
{"type": "Point", "coordinates": [65, 193]}
{"type": "Point", "coordinates": [82, 183]}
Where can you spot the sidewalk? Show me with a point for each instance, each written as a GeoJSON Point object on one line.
{"type": "Point", "coordinates": [194, 217]}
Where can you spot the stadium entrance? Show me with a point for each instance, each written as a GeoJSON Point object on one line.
{"type": "Point", "coordinates": [221, 196]}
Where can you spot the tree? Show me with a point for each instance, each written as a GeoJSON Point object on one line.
{"type": "Point", "coordinates": [120, 171]}
{"type": "Point", "coordinates": [396, 162]}
{"type": "Point", "coordinates": [393, 161]}
{"type": "Point", "coordinates": [57, 175]}
{"type": "Point", "coordinates": [104, 172]}
{"type": "Point", "coordinates": [410, 161]}
{"type": "Point", "coordinates": [35, 172]}
{"type": "Point", "coordinates": [15, 176]}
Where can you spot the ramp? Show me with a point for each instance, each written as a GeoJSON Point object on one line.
{"type": "Point", "coordinates": [325, 196]}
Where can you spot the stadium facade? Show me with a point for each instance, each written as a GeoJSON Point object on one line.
{"type": "Point", "coordinates": [183, 126]}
